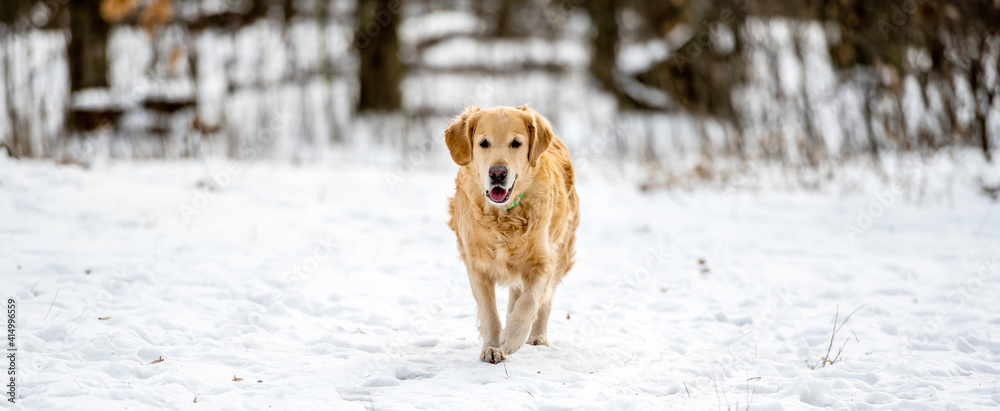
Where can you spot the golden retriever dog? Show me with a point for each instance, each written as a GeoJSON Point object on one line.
{"type": "Point", "coordinates": [515, 213]}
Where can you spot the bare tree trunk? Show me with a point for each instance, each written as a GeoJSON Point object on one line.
{"type": "Point", "coordinates": [12, 147]}
{"type": "Point", "coordinates": [13, 10]}
{"type": "Point", "coordinates": [503, 19]}
{"type": "Point", "coordinates": [984, 139]}
{"type": "Point", "coordinates": [377, 44]}
{"type": "Point", "coordinates": [869, 127]}
{"type": "Point", "coordinates": [604, 16]}
{"type": "Point", "coordinates": [88, 46]}
{"type": "Point", "coordinates": [980, 92]}
{"type": "Point", "coordinates": [813, 138]}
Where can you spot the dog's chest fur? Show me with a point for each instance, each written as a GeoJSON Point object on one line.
{"type": "Point", "coordinates": [497, 245]}
{"type": "Point", "coordinates": [504, 243]}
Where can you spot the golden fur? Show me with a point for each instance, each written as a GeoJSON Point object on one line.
{"type": "Point", "coordinates": [529, 247]}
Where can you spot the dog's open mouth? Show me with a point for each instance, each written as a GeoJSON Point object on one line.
{"type": "Point", "coordinates": [499, 195]}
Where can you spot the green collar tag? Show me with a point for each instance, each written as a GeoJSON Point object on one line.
{"type": "Point", "coordinates": [485, 195]}
{"type": "Point", "coordinates": [515, 201]}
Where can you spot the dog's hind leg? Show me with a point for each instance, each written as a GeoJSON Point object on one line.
{"type": "Point", "coordinates": [539, 328]}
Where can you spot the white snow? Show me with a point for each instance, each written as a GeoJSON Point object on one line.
{"type": "Point", "coordinates": [505, 54]}
{"type": "Point", "coordinates": [331, 286]}
{"type": "Point", "coordinates": [439, 24]}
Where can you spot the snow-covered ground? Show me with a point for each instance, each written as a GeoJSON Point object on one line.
{"type": "Point", "coordinates": [332, 287]}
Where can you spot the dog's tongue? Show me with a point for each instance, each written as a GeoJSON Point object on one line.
{"type": "Point", "coordinates": [497, 194]}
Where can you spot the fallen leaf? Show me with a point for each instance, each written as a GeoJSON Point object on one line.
{"type": "Point", "coordinates": [88, 271]}
{"type": "Point", "coordinates": [156, 360]}
{"type": "Point", "coordinates": [104, 318]}
{"type": "Point", "coordinates": [235, 378]}
{"type": "Point", "coordinates": [195, 399]}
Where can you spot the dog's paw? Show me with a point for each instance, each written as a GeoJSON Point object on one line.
{"type": "Point", "coordinates": [538, 340]}
{"type": "Point", "coordinates": [492, 355]}
{"type": "Point", "coordinates": [509, 347]}
{"type": "Point", "coordinates": [512, 338]}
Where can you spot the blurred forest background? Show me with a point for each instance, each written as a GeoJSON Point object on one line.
{"type": "Point", "coordinates": [653, 82]}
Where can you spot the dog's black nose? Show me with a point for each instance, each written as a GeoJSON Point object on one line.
{"type": "Point", "coordinates": [498, 174]}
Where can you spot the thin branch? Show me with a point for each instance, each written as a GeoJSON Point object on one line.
{"type": "Point", "coordinates": [50, 305]}
{"type": "Point", "coordinates": [832, 335]}
{"type": "Point", "coordinates": [825, 360]}
{"type": "Point", "coordinates": [849, 316]}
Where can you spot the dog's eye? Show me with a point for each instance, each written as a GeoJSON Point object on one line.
{"type": "Point", "coordinates": [515, 144]}
{"type": "Point", "coordinates": [484, 144]}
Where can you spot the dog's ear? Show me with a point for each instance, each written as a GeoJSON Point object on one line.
{"type": "Point", "coordinates": [539, 132]}
{"type": "Point", "coordinates": [458, 137]}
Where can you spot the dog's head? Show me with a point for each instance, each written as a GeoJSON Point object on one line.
{"type": "Point", "coordinates": [501, 145]}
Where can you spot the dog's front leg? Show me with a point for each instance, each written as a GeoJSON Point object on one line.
{"type": "Point", "coordinates": [519, 319]}
{"type": "Point", "coordinates": [489, 320]}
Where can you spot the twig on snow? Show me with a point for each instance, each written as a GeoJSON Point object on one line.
{"type": "Point", "coordinates": [50, 305]}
